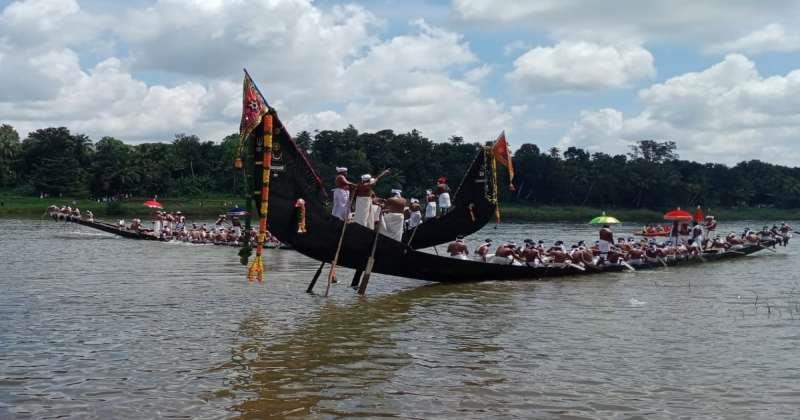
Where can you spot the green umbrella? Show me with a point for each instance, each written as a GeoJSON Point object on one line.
{"type": "Point", "coordinates": [603, 220]}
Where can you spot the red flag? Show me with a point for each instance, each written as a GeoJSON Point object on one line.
{"type": "Point", "coordinates": [698, 215]}
{"type": "Point", "coordinates": [253, 108]}
{"type": "Point", "coordinates": [503, 155]}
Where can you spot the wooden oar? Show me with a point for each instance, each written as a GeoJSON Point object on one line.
{"type": "Point", "coordinates": [576, 266]}
{"type": "Point", "coordinates": [362, 288]}
{"type": "Point", "coordinates": [356, 279]}
{"type": "Point", "coordinates": [332, 271]}
{"type": "Point", "coordinates": [310, 288]}
{"type": "Point", "coordinates": [661, 260]}
{"type": "Point", "coordinates": [410, 239]}
{"type": "Point", "coordinates": [626, 265]}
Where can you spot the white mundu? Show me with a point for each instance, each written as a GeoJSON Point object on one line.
{"type": "Point", "coordinates": [414, 219]}
{"type": "Point", "coordinates": [444, 200]}
{"type": "Point", "coordinates": [341, 203]}
{"type": "Point", "coordinates": [393, 226]}
{"type": "Point", "coordinates": [364, 213]}
{"type": "Point", "coordinates": [430, 210]}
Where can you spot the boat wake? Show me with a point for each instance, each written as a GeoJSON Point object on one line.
{"type": "Point", "coordinates": [636, 302]}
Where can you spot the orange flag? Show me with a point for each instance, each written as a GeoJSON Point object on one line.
{"type": "Point", "coordinates": [503, 155]}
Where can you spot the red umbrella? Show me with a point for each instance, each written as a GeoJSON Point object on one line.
{"type": "Point", "coordinates": [153, 204]}
{"type": "Point", "coordinates": [678, 215]}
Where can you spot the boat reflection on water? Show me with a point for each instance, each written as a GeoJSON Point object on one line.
{"type": "Point", "coordinates": [328, 364]}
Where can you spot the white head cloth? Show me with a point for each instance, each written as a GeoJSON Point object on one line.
{"type": "Point", "coordinates": [366, 177]}
{"type": "Point", "coordinates": [340, 169]}
{"type": "Point", "coordinates": [396, 192]}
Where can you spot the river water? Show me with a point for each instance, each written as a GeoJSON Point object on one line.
{"type": "Point", "coordinates": [93, 326]}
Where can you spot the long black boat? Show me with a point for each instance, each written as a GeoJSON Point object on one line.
{"type": "Point", "coordinates": [294, 178]}
{"type": "Point", "coordinates": [145, 235]}
{"type": "Point", "coordinates": [106, 227]}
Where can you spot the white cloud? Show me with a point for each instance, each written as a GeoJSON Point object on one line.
{"type": "Point", "coordinates": [477, 74]}
{"type": "Point", "coordinates": [322, 68]}
{"type": "Point", "coordinates": [48, 23]}
{"type": "Point", "coordinates": [725, 113]}
{"type": "Point", "coordinates": [771, 38]}
{"type": "Point", "coordinates": [581, 66]}
{"type": "Point", "coordinates": [406, 83]}
{"type": "Point", "coordinates": [631, 20]}
{"type": "Point", "coordinates": [598, 131]}
{"type": "Point", "coordinates": [107, 101]}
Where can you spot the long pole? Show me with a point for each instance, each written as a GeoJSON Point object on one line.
{"type": "Point", "coordinates": [332, 271]}
{"type": "Point", "coordinates": [310, 288]}
{"type": "Point", "coordinates": [356, 278]}
{"type": "Point", "coordinates": [362, 288]}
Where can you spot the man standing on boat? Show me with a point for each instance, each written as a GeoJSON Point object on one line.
{"type": "Point", "coordinates": [341, 194]}
{"type": "Point", "coordinates": [606, 240]}
{"type": "Point", "coordinates": [710, 227]}
{"type": "Point", "coordinates": [443, 195]}
{"type": "Point", "coordinates": [393, 216]}
{"type": "Point", "coordinates": [364, 191]}
{"type": "Point", "coordinates": [430, 206]}
{"type": "Point", "coordinates": [415, 214]}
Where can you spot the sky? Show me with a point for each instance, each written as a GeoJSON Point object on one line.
{"type": "Point", "coordinates": [720, 78]}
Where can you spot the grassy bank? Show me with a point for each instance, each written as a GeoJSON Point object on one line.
{"type": "Point", "coordinates": [211, 206]}
{"type": "Point", "coordinates": [195, 207]}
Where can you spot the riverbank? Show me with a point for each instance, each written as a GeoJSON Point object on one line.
{"type": "Point", "coordinates": [509, 212]}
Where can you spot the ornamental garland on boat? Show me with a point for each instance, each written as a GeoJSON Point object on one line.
{"type": "Point", "coordinates": [263, 150]}
{"type": "Point", "coordinates": [300, 205]}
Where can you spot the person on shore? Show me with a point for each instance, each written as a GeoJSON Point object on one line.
{"type": "Point", "coordinates": [393, 216]}
{"type": "Point", "coordinates": [458, 249]}
{"type": "Point", "coordinates": [443, 195]}
{"type": "Point", "coordinates": [341, 194]}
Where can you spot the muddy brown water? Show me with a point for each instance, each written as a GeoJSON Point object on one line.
{"type": "Point", "coordinates": [93, 326]}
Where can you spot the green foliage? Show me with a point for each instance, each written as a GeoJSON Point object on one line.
{"type": "Point", "coordinates": [57, 162]}
{"type": "Point", "coordinates": [10, 148]}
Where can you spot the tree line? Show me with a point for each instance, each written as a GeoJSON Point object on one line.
{"type": "Point", "coordinates": [54, 161]}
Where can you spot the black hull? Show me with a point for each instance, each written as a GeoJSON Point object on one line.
{"type": "Point", "coordinates": [129, 234]}
{"type": "Point", "coordinates": [109, 228]}
{"type": "Point", "coordinates": [472, 208]}
{"type": "Point", "coordinates": [294, 178]}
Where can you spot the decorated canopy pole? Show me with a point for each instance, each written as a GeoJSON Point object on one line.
{"type": "Point", "coordinates": [254, 115]}
{"type": "Point", "coordinates": [264, 161]}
